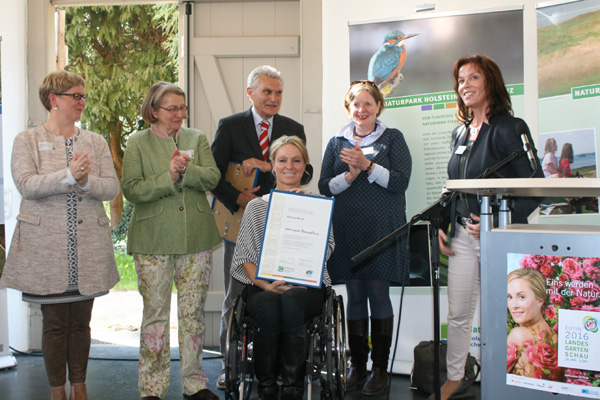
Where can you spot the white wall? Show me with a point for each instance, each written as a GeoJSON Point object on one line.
{"type": "Point", "coordinates": [13, 22]}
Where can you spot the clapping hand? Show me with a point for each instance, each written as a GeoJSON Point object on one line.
{"type": "Point", "coordinates": [178, 164]}
{"type": "Point", "coordinates": [80, 167]}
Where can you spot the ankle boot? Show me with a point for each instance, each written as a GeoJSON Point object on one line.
{"type": "Point", "coordinates": [381, 338]}
{"type": "Point", "coordinates": [358, 340]}
{"type": "Point", "coordinates": [266, 364]}
{"type": "Point", "coordinates": [59, 393]}
{"type": "Point", "coordinates": [78, 392]}
{"type": "Point", "coordinates": [294, 364]}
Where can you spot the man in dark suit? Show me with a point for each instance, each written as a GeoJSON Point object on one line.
{"type": "Point", "coordinates": [241, 138]}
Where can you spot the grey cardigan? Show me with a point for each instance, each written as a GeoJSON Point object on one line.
{"type": "Point", "coordinates": [37, 260]}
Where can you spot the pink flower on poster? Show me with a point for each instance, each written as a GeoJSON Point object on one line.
{"type": "Point", "coordinates": [547, 270]}
{"type": "Point", "coordinates": [556, 299]}
{"type": "Point", "coordinates": [542, 355]}
{"type": "Point", "coordinates": [572, 268]}
{"type": "Point", "coordinates": [555, 260]}
{"type": "Point", "coordinates": [577, 377]}
{"type": "Point", "coordinates": [591, 267]}
{"type": "Point", "coordinates": [512, 355]}
{"type": "Point", "coordinates": [551, 312]}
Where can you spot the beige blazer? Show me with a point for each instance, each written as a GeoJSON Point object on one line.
{"type": "Point", "coordinates": [37, 259]}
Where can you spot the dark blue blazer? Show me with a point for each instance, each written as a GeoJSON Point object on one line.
{"type": "Point", "coordinates": [236, 140]}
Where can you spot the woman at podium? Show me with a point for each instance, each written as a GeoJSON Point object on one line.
{"type": "Point", "coordinates": [488, 133]}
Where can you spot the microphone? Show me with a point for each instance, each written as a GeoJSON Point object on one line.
{"type": "Point", "coordinates": [528, 148]}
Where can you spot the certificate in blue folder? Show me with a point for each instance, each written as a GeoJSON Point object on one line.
{"type": "Point", "coordinates": [294, 246]}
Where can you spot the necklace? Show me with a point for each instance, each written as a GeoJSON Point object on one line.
{"type": "Point", "coordinates": [474, 130]}
{"type": "Point", "coordinates": [362, 136]}
{"type": "Point", "coordinates": [56, 134]}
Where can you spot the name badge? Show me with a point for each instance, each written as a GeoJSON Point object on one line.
{"type": "Point", "coordinates": [46, 146]}
{"type": "Point", "coordinates": [367, 150]}
{"type": "Point", "coordinates": [188, 152]}
{"type": "Point", "coordinates": [460, 150]}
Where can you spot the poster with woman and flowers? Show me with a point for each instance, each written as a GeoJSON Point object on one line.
{"type": "Point", "coordinates": [553, 316]}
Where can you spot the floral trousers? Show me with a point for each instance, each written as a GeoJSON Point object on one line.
{"type": "Point", "coordinates": [191, 273]}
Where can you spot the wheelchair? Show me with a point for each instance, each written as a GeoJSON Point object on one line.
{"type": "Point", "coordinates": [326, 361]}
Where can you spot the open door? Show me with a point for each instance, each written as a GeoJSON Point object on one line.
{"type": "Point", "coordinates": [6, 358]}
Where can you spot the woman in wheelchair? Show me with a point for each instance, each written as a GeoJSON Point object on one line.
{"type": "Point", "coordinates": [280, 310]}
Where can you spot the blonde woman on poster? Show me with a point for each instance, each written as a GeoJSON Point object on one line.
{"type": "Point", "coordinates": [532, 345]}
{"type": "Point", "coordinates": [550, 163]}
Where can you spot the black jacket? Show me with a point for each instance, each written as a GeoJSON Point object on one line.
{"type": "Point", "coordinates": [236, 140]}
{"type": "Point", "coordinates": [495, 142]}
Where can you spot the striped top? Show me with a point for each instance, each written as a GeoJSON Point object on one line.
{"type": "Point", "coordinates": [249, 240]}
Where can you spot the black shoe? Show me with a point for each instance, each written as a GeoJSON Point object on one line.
{"type": "Point", "coordinates": [204, 394]}
{"type": "Point", "coordinates": [377, 382]}
{"type": "Point", "coordinates": [268, 392]}
{"type": "Point", "coordinates": [150, 398]}
{"type": "Point", "coordinates": [292, 393]}
{"type": "Point", "coordinates": [357, 375]}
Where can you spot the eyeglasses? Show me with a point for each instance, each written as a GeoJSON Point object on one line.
{"type": "Point", "coordinates": [364, 82]}
{"type": "Point", "coordinates": [173, 110]}
{"type": "Point", "coordinates": [75, 96]}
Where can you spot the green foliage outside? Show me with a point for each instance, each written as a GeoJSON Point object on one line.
{"type": "Point", "coordinates": [126, 272]}
{"type": "Point", "coordinates": [120, 51]}
{"type": "Point", "coordinates": [125, 265]}
{"type": "Point", "coordinates": [124, 261]}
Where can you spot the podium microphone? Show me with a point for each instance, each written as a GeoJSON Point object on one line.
{"type": "Point", "coordinates": [528, 148]}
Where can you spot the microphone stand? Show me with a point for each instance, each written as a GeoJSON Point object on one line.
{"type": "Point", "coordinates": [432, 214]}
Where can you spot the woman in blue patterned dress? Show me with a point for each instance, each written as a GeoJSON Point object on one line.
{"type": "Point", "coordinates": [366, 168]}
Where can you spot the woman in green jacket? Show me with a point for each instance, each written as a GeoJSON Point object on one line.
{"type": "Point", "coordinates": [167, 171]}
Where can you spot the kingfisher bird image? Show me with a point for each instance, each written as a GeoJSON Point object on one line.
{"type": "Point", "coordinates": [386, 63]}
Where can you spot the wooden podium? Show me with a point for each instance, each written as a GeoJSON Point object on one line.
{"type": "Point", "coordinates": [500, 247]}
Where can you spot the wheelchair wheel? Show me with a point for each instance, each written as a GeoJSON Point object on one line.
{"type": "Point", "coordinates": [314, 360]}
{"type": "Point", "coordinates": [335, 349]}
{"type": "Point", "coordinates": [337, 358]}
{"type": "Point", "coordinates": [239, 376]}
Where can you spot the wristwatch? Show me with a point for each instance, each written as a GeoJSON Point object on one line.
{"type": "Point", "coordinates": [369, 167]}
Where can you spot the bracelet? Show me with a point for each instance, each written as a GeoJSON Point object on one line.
{"type": "Point", "coordinates": [369, 167]}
